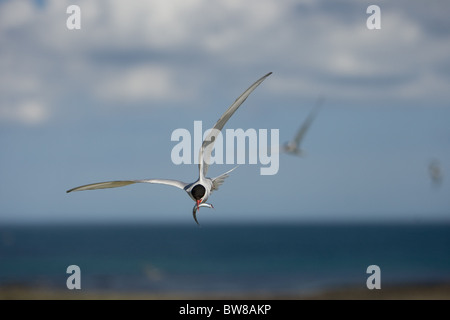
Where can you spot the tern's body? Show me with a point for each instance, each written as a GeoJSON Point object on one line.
{"type": "Point", "coordinates": [201, 189]}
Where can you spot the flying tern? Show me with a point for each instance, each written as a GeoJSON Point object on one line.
{"type": "Point", "coordinates": [293, 146]}
{"type": "Point", "coordinates": [202, 188]}
{"type": "Point", "coordinates": [435, 172]}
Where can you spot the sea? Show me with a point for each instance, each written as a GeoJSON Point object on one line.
{"type": "Point", "coordinates": [292, 258]}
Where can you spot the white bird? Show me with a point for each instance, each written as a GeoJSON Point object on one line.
{"type": "Point", "coordinates": [201, 189]}
{"type": "Point", "coordinates": [293, 146]}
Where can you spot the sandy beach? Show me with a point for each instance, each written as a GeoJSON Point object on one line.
{"type": "Point", "coordinates": [403, 292]}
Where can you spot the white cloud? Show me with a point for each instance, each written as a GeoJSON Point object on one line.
{"type": "Point", "coordinates": [15, 14]}
{"type": "Point", "coordinates": [28, 112]}
{"type": "Point", "coordinates": [138, 84]}
{"type": "Point", "coordinates": [147, 50]}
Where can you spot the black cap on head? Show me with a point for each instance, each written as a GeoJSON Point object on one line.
{"type": "Point", "coordinates": [198, 192]}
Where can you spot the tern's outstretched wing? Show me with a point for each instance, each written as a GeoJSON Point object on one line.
{"type": "Point", "coordinates": [208, 144]}
{"type": "Point", "coordinates": [307, 123]}
{"type": "Point", "coordinates": [122, 183]}
{"type": "Point", "coordinates": [217, 181]}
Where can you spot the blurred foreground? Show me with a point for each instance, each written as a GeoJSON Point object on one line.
{"type": "Point", "coordinates": [406, 292]}
{"type": "Point", "coordinates": [303, 261]}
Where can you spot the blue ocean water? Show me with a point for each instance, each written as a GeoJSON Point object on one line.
{"type": "Point", "coordinates": [267, 258]}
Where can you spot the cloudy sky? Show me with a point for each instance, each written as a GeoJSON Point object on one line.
{"type": "Point", "coordinates": [100, 103]}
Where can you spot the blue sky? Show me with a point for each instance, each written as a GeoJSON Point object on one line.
{"type": "Point", "coordinates": [101, 103]}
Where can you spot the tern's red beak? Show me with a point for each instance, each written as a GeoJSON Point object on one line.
{"type": "Point", "coordinates": [198, 203]}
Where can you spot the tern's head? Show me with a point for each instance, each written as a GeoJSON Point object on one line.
{"type": "Point", "coordinates": [289, 146]}
{"type": "Point", "coordinates": [198, 192]}
{"type": "Point", "coordinates": [292, 148]}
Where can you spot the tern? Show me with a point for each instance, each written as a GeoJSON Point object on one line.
{"type": "Point", "coordinates": [293, 146]}
{"type": "Point", "coordinates": [200, 190]}
{"type": "Point", "coordinates": [435, 172]}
